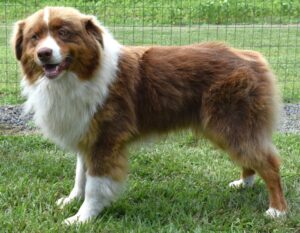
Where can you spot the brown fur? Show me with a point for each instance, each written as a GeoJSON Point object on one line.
{"type": "Point", "coordinates": [229, 95]}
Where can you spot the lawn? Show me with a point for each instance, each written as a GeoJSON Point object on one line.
{"type": "Point", "coordinates": [176, 184]}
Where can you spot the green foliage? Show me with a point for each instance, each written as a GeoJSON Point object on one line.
{"type": "Point", "coordinates": [176, 184]}
{"type": "Point", "coordinates": [158, 12]}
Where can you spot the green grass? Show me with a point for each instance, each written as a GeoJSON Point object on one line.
{"type": "Point", "coordinates": [176, 184]}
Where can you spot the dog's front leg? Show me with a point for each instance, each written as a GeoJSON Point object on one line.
{"type": "Point", "coordinates": [100, 191]}
{"type": "Point", "coordinates": [106, 173]}
{"type": "Point", "coordinates": [79, 186]}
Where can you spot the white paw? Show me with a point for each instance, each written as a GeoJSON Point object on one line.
{"type": "Point", "coordinates": [71, 220]}
{"type": "Point", "coordinates": [84, 215]}
{"type": "Point", "coordinates": [77, 219]}
{"type": "Point", "coordinates": [236, 184]}
{"type": "Point", "coordinates": [274, 213]}
{"type": "Point", "coordinates": [242, 183]}
{"type": "Point", "coordinates": [62, 202]}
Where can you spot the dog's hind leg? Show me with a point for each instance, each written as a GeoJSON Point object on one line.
{"type": "Point", "coordinates": [269, 172]}
{"type": "Point", "coordinates": [239, 114]}
{"type": "Point", "coordinates": [246, 180]}
{"type": "Point", "coordinates": [264, 161]}
{"type": "Point", "coordinates": [79, 186]}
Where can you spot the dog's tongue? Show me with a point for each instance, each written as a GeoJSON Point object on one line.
{"type": "Point", "coordinates": [51, 70]}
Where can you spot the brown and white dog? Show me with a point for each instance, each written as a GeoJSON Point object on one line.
{"type": "Point", "coordinates": [92, 95]}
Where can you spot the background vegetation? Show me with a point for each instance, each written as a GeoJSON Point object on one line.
{"type": "Point", "coordinates": [271, 27]}
{"type": "Point", "coordinates": [172, 12]}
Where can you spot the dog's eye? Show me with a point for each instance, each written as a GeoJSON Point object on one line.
{"type": "Point", "coordinates": [34, 37]}
{"type": "Point", "coordinates": [63, 33]}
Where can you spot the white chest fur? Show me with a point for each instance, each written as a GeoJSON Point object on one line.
{"type": "Point", "coordinates": [63, 108]}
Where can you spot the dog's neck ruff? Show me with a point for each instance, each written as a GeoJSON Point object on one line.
{"type": "Point", "coordinates": [63, 107]}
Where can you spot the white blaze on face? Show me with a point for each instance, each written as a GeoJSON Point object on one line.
{"type": "Point", "coordinates": [46, 15]}
{"type": "Point", "coordinates": [50, 43]}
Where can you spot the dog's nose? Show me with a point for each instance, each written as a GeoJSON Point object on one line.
{"type": "Point", "coordinates": [44, 54]}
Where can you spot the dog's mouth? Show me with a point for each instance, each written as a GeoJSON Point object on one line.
{"type": "Point", "coordinates": [52, 71]}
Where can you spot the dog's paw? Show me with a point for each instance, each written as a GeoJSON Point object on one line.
{"type": "Point", "coordinates": [242, 183]}
{"type": "Point", "coordinates": [76, 219]}
{"type": "Point", "coordinates": [81, 218]}
{"type": "Point", "coordinates": [274, 213]}
{"type": "Point", "coordinates": [71, 220]}
{"type": "Point", "coordinates": [62, 202]}
{"type": "Point", "coordinates": [236, 184]}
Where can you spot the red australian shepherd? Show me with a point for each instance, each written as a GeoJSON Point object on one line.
{"type": "Point", "coordinates": [93, 96]}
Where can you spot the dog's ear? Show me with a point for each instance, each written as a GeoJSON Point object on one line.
{"type": "Point", "coordinates": [93, 29]}
{"type": "Point", "coordinates": [17, 39]}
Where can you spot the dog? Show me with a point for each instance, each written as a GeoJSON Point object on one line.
{"type": "Point", "coordinates": [92, 95]}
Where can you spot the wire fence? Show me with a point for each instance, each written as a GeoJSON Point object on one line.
{"type": "Point", "coordinates": [271, 27]}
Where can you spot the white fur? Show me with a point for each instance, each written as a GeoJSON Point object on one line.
{"type": "Point", "coordinates": [79, 186]}
{"type": "Point", "coordinates": [99, 193]}
{"type": "Point", "coordinates": [242, 183]}
{"type": "Point", "coordinates": [49, 42]}
{"type": "Point", "coordinates": [63, 107]}
{"type": "Point", "coordinates": [274, 213]}
{"type": "Point", "coordinates": [46, 15]}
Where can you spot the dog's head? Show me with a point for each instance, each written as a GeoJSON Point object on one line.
{"type": "Point", "coordinates": [56, 40]}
